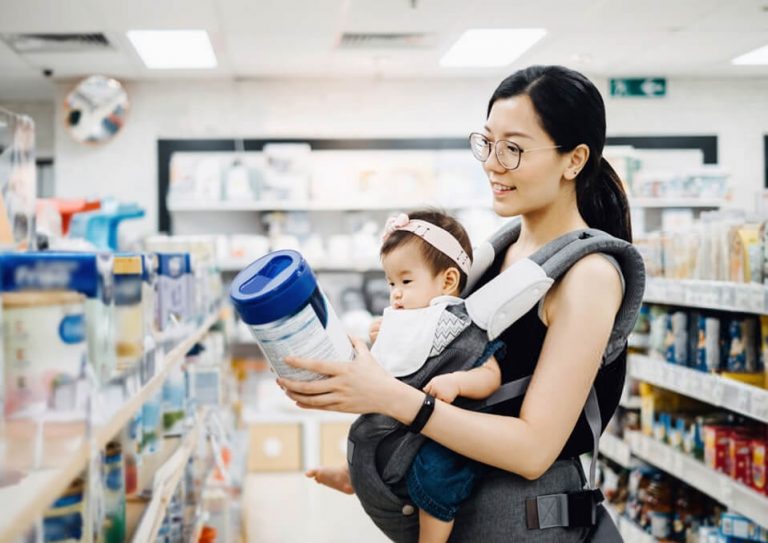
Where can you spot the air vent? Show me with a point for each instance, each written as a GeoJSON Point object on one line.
{"type": "Point", "coordinates": [56, 43]}
{"type": "Point", "coordinates": [385, 40]}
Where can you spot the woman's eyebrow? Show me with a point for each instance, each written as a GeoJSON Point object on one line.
{"type": "Point", "coordinates": [510, 134]}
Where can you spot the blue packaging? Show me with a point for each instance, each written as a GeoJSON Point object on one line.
{"type": "Point", "coordinates": [279, 299]}
{"type": "Point", "coordinates": [174, 298]}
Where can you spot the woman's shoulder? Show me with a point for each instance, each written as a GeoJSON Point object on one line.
{"type": "Point", "coordinates": [591, 284]}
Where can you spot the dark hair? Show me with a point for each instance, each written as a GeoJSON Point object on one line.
{"type": "Point", "coordinates": [571, 110]}
{"type": "Point", "coordinates": [435, 259]}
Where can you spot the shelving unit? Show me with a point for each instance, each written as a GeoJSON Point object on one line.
{"type": "Point", "coordinates": [715, 295]}
{"type": "Point", "coordinates": [719, 486]}
{"type": "Point", "coordinates": [632, 533]}
{"type": "Point", "coordinates": [25, 501]}
{"type": "Point", "coordinates": [663, 203]}
{"type": "Point", "coordinates": [340, 267]}
{"type": "Point", "coordinates": [309, 205]}
{"type": "Point", "coordinates": [165, 482]}
{"type": "Point", "coordinates": [617, 450]}
{"type": "Point", "coordinates": [709, 388]}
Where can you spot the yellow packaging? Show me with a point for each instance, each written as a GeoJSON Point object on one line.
{"type": "Point", "coordinates": [754, 379]}
{"type": "Point", "coordinates": [744, 245]}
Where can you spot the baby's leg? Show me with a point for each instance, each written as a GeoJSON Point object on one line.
{"type": "Point", "coordinates": [333, 477]}
{"type": "Point", "coordinates": [432, 529]}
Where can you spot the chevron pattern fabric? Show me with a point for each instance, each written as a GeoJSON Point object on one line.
{"type": "Point", "coordinates": [448, 328]}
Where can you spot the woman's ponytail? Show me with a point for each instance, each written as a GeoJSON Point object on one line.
{"type": "Point", "coordinates": [602, 201]}
{"type": "Point", "coordinates": [571, 110]}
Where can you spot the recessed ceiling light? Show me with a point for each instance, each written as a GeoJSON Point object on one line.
{"type": "Point", "coordinates": [756, 57]}
{"type": "Point", "coordinates": [173, 49]}
{"type": "Point", "coordinates": [484, 48]}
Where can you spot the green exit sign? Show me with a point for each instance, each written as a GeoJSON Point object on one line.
{"type": "Point", "coordinates": [649, 87]}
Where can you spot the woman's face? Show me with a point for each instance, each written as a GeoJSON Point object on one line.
{"type": "Point", "coordinates": [536, 182]}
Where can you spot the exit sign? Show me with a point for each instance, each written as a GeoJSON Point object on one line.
{"type": "Point", "coordinates": [650, 87]}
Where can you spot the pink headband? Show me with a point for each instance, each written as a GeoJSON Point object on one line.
{"type": "Point", "coordinates": [437, 237]}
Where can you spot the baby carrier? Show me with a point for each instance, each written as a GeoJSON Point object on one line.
{"type": "Point", "coordinates": [380, 449]}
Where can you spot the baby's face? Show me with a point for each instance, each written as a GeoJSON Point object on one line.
{"type": "Point", "coordinates": [411, 282]}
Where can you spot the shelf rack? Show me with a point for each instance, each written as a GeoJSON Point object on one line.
{"type": "Point", "coordinates": [747, 400]}
{"type": "Point", "coordinates": [22, 503]}
{"type": "Point", "coordinates": [719, 486]}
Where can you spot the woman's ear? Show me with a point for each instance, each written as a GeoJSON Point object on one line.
{"type": "Point", "coordinates": [578, 160]}
{"type": "Point", "coordinates": [451, 279]}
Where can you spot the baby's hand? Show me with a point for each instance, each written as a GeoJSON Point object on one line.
{"type": "Point", "coordinates": [373, 331]}
{"type": "Point", "coordinates": [443, 387]}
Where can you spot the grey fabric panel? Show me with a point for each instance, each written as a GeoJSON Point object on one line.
{"type": "Point", "coordinates": [595, 422]}
{"type": "Point", "coordinates": [496, 511]}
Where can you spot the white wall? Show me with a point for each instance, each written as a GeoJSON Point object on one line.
{"type": "Point", "coordinates": [735, 110]}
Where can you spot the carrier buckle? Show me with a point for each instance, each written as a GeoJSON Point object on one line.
{"type": "Point", "coordinates": [572, 510]}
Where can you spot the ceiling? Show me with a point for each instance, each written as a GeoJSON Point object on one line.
{"type": "Point", "coordinates": [301, 38]}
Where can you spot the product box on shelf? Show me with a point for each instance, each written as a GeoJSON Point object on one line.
{"type": "Point", "coordinates": [173, 290]}
{"type": "Point", "coordinates": [72, 294]}
{"type": "Point", "coordinates": [129, 314]}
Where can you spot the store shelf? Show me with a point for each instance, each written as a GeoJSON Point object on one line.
{"type": "Point", "coordinates": [639, 341]}
{"type": "Point", "coordinates": [741, 398]}
{"type": "Point", "coordinates": [631, 402]}
{"type": "Point", "coordinates": [617, 450]}
{"type": "Point", "coordinates": [25, 501]}
{"type": "Point", "coordinates": [295, 205]}
{"type": "Point", "coordinates": [238, 265]}
{"type": "Point", "coordinates": [719, 295]}
{"type": "Point", "coordinates": [166, 480]}
{"type": "Point", "coordinates": [661, 203]}
{"type": "Point", "coordinates": [719, 486]}
{"type": "Point", "coordinates": [632, 533]}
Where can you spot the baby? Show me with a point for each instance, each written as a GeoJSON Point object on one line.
{"type": "Point", "coordinates": [426, 258]}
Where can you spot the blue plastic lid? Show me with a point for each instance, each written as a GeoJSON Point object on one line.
{"type": "Point", "coordinates": [172, 264]}
{"type": "Point", "coordinates": [273, 287]}
{"type": "Point", "coordinates": [50, 271]}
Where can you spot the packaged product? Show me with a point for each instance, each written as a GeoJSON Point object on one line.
{"type": "Point", "coordinates": [739, 464]}
{"type": "Point", "coordinates": [44, 352]}
{"type": "Point", "coordinates": [717, 440]}
{"type": "Point", "coordinates": [741, 343]}
{"type": "Point", "coordinates": [759, 465]}
{"type": "Point", "coordinates": [129, 314]}
{"type": "Point", "coordinates": [65, 519]}
{"type": "Point", "coordinates": [113, 530]}
{"type": "Point", "coordinates": [708, 346]}
{"type": "Point", "coordinates": [302, 324]}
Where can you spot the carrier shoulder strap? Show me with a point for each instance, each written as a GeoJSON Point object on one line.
{"type": "Point", "coordinates": [511, 294]}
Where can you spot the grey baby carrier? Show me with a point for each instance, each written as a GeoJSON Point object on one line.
{"type": "Point", "coordinates": [380, 449]}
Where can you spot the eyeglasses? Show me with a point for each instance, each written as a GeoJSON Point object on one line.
{"type": "Point", "coordinates": [508, 153]}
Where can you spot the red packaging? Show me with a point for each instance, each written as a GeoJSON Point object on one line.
{"type": "Point", "coordinates": [717, 441]}
{"type": "Point", "coordinates": [759, 448]}
{"type": "Point", "coordinates": [739, 464]}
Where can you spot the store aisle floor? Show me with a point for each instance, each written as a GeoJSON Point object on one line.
{"type": "Point", "coordinates": [289, 508]}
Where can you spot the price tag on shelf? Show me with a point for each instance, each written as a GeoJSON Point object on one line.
{"type": "Point", "coordinates": [718, 391]}
{"type": "Point", "coordinates": [742, 298]}
{"type": "Point", "coordinates": [757, 298]}
{"type": "Point", "coordinates": [742, 402]}
{"type": "Point", "coordinates": [727, 296]}
{"type": "Point", "coordinates": [759, 405]}
{"type": "Point", "coordinates": [676, 293]}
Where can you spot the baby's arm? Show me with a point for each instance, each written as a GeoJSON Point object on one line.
{"type": "Point", "coordinates": [475, 384]}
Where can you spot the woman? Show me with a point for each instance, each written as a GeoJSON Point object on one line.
{"type": "Point", "coordinates": [541, 149]}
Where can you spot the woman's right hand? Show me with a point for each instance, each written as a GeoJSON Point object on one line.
{"type": "Point", "coordinates": [358, 386]}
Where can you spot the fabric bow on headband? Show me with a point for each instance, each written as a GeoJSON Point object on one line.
{"type": "Point", "coordinates": [439, 238]}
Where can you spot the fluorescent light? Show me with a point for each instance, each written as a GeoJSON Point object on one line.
{"type": "Point", "coordinates": [758, 56]}
{"type": "Point", "coordinates": [173, 49]}
{"type": "Point", "coordinates": [483, 48]}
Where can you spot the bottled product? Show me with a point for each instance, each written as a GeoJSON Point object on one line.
{"type": "Point", "coordinates": [114, 494]}
{"type": "Point", "coordinates": [279, 299]}
{"type": "Point", "coordinates": [659, 505]}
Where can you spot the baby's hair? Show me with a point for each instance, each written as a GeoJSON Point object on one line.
{"type": "Point", "coordinates": [435, 259]}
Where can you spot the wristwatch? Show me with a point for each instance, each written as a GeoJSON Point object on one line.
{"type": "Point", "coordinates": [421, 418]}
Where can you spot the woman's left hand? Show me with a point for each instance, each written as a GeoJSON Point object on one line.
{"type": "Point", "coordinates": [358, 386]}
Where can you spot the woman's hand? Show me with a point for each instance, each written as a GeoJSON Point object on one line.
{"type": "Point", "coordinates": [358, 386]}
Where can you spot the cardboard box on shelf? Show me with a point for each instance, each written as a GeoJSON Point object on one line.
{"type": "Point", "coordinates": [333, 443]}
{"type": "Point", "coordinates": [274, 447]}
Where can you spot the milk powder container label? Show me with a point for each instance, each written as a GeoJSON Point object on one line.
{"type": "Point", "coordinates": [44, 351]}
{"type": "Point", "coordinates": [279, 299]}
